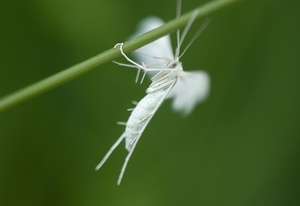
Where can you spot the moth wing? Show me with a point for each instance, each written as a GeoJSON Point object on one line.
{"type": "Point", "coordinates": [191, 88]}
{"type": "Point", "coordinates": [157, 53]}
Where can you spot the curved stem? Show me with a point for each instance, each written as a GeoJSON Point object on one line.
{"type": "Point", "coordinates": [77, 70]}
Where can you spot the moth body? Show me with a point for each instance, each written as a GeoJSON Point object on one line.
{"type": "Point", "coordinates": [139, 118]}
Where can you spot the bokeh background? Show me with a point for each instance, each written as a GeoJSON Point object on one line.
{"type": "Point", "coordinates": [240, 147]}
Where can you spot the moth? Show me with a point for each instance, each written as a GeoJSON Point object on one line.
{"type": "Point", "coordinates": [168, 81]}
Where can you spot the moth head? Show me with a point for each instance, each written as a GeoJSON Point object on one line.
{"type": "Point", "coordinates": [174, 64]}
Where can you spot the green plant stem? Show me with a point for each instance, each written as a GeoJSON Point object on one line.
{"type": "Point", "coordinates": [77, 70]}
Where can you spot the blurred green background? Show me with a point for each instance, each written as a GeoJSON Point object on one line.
{"type": "Point", "coordinates": [240, 147]}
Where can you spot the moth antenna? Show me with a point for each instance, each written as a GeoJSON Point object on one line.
{"type": "Point", "coordinates": [178, 8]}
{"type": "Point", "coordinates": [178, 43]}
{"type": "Point", "coordinates": [200, 30]}
{"type": "Point", "coordinates": [185, 31]}
{"type": "Point", "coordinates": [178, 11]}
{"type": "Point", "coordinates": [110, 151]}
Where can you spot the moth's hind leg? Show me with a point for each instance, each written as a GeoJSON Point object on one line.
{"type": "Point", "coordinates": [127, 58]}
{"type": "Point", "coordinates": [127, 159]}
{"type": "Point", "coordinates": [136, 65]}
{"type": "Point", "coordinates": [110, 151]}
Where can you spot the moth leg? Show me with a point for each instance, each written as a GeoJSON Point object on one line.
{"type": "Point", "coordinates": [127, 159]}
{"type": "Point", "coordinates": [126, 57]}
{"type": "Point", "coordinates": [135, 64]}
{"type": "Point", "coordinates": [110, 151]}
{"type": "Point", "coordinates": [134, 102]}
{"type": "Point", "coordinates": [121, 123]}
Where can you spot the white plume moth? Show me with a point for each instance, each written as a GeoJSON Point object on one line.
{"type": "Point", "coordinates": [169, 81]}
